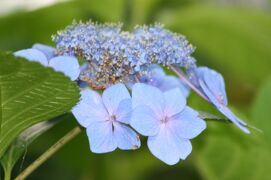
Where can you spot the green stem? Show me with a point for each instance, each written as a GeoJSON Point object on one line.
{"type": "Point", "coordinates": [50, 152]}
{"type": "Point", "coordinates": [7, 173]}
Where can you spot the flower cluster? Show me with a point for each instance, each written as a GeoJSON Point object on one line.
{"type": "Point", "coordinates": [139, 98]}
{"type": "Point", "coordinates": [114, 55]}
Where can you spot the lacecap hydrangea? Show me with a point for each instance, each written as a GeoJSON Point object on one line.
{"type": "Point", "coordinates": [126, 91]}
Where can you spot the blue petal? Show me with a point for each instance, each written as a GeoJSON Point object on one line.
{"type": "Point", "coordinates": [223, 109]}
{"type": "Point", "coordinates": [150, 96]}
{"type": "Point", "coordinates": [125, 137]}
{"type": "Point", "coordinates": [33, 55]}
{"type": "Point", "coordinates": [101, 137]}
{"type": "Point", "coordinates": [47, 50]}
{"type": "Point", "coordinates": [153, 76]}
{"type": "Point", "coordinates": [156, 71]}
{"type": "Point", "coordinates": [168, 147]}
{"type": "Point", "coordinates": [144, 121]}
{"type": "Point", "coordinates": [113, 95]}
{"type": "Point", "coordinates": [238, 122]}
{"type": "Point", "coordinates": [174, 102]}
{"type": "Point", "coordinates": [124, 111]}
{"type": "Point", "coordinates": [90, 108]}
{"type": "Point", "coordinates": [171, 82]}
{"type": "Point", "coordinates": [214, 82]}
{"type": "Point", "coordinates": [66, 64]}
{"type": "Point", "coordinates": [187, 124]}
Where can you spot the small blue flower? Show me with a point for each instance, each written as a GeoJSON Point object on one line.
{"type": "Point", "coordinates": [39, 53]}
{"type": "Point", "coordinates": [156, 76]}
{"type": "Point", "coordinates": [166, 119]}
{"type": "Point", "coordinates": [213, 86]}
{"type": "Point", "coordinates": [106, 119]}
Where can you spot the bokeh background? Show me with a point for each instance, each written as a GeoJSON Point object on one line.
{"type": "Point", "coordinates": [231, 36]}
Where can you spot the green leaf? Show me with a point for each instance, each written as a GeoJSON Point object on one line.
{"type": "Point", "coordinates": [31, 93]}
{"type": "Point", "coordinates": [229, 154]}
{"type": "Point", "coordinates": [18, 147]}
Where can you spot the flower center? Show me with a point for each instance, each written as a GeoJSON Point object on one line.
{"type": "Point", "coordinates": [112, 118]}
{"type": "Point", "coordinates": [164, 120]}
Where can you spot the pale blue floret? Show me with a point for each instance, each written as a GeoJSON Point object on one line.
{"type": "Point", "coordinates": [33, 55]}
{"type": "Point", "coordinates": [161, 46]}
{"type": "Point", "coordinates": [47, 50]}
{"type": "Point", "coordinates": [106, 118]}
{"type": "Point", "coordinates": [156, 76]}
{"type": "Point", "coordinates": [166, 120]}
{"type": "Point", "coordinates": [67, 64]}
{"type": "Point", "coordinates": [213, 86]}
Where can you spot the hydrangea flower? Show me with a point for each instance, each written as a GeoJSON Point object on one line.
{"type": "Point", "coordinates": [45, 55]}
{"type": "Point", "coordinates": [157, 77]}
{"type": "Point", "coordinates": [161, 46]}
{"type": "Point", "coordinates": [166, 120]}
{"type": "Point", "coordinates": [106, 119]}
{"type": "Point", "coordinates": [118, 56]}
{"type": "Point", "coordinates": [213, 86]}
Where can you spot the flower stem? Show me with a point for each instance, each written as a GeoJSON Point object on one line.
{"type": "Point", "coordinates": [7, 174]}
{"type": "Point", "coordinates": [50, 152]}
{"type": "Point", "coordinates": [182, 76]}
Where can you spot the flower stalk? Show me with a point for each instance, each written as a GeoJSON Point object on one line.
{"type": "Point", "coordinates": [50, 152]}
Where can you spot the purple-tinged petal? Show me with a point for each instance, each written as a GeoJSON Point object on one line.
{"type": "Point", "coordinates": [67, 64]}
{"type": "Point", "coordinates": [90, 108]}
{"type": "Point", "coordinates": [187, 124]}
{"type": "Point", "coordinates": [174, 102]}
{"type": "Point", "coordinates": [124, 111]}
{"type": "Point", "coordinates": [125, 137]}
{"type": "Point", "coordinates": [113, 95]}
{"type": "Point", "coordinates": [47, 50]}
{"type": "Point", "coordinates": [214, 82]}
{"type": "Point", "coordinates": [144, 121]}
{"type": "Point", "coordinates": [150, 96]}
{"type": "Point", "coordinates": [33, 55]}
{"type": "Point", "coordinates": [223, 109]}
{"type": "Point", "coordinates": [168, 147]}
{"type": "Point", "coordinates": [101, 137]}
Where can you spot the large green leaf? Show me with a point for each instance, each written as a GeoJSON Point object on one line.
{"type": "Point", "coordinates": [30, 93]}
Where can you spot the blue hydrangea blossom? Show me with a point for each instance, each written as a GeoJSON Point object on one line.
{"type": "Point", "coordinates": [213, 86]}
{"type": "Point", "coordinates": [166, 120]}
{"type": "Point", "coordinates": [116, 56]}
{"type": "Point", "coordinates": [44, 54]}
{"type": "Point", "coordinates": [106, 119]}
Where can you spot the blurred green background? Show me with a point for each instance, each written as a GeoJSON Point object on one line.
{"type": "Point", "coordinates": [231, 36]}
